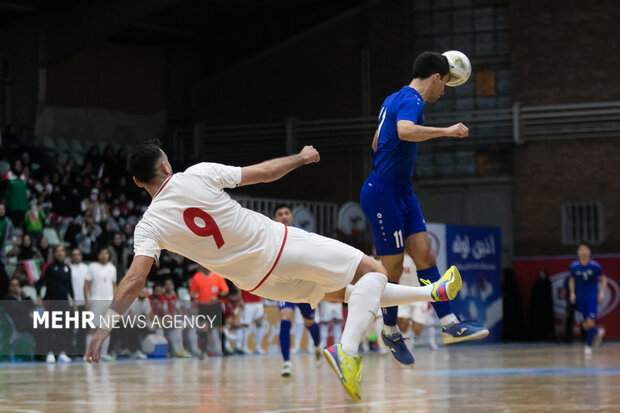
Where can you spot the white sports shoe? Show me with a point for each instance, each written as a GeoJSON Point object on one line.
{"type": "Point", "coordinates": [587, 350]}
{"type": "Point", "coordinates": [107, 357]}
{"type": "Point", "coordinates": [50, 359]}
{"type": "Point", "coordinates": [318, 356]}
{"type": "Point", "coordinates": [139, 355]}
{"type": "Point", "coordinates": [286, 369]}
{"type": "Point", "coordinates": [63, 358]}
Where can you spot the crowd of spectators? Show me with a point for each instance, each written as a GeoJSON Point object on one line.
{"type": "Point", "coordinates": [90, 206]}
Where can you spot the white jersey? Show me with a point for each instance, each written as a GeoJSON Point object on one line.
{"type": "Point", "coordinates": [101, 278]}
{"type": "Point", "coordinates": [191, 215]}
{"type": "Point", "coordinates": [79, 274]}
{"type": "Point", "coordinates": [409, 276]}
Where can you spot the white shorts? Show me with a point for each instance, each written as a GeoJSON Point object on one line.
{"type": "Point", "coordinates": [251, 312]}
{"type": "Point", "coordinates": [419, 312]}
{"type": "Point", "coordinates": [330, 311]}
{"type": "Point", "coordinates": [310, 266]}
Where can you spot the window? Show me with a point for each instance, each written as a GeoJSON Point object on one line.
{"type": "Point", "coordinates": [583, 222]}
{"type": "Point", "coordinates": [481, 30]}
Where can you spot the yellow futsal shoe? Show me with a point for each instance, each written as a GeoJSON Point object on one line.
{"type": "Point", "coordinates": [348, 369]}
{"type": "Point", "coordinates": [448, 286]}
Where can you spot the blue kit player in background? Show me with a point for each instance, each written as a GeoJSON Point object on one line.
{"type": "Point", "coordinates": [585, 274]}
{"type": "Point", "coordinates": [282, 213]}
{"type": "Point", "coordinates": [391, 207]}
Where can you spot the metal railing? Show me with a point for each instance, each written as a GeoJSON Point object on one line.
{"type": "Point", "coordinates": [325, 213]}
{"type": "Point", "coordinates": [487, 151]}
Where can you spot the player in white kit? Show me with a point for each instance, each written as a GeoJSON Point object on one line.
{"type": "Point", "coordinates": [193, 216]}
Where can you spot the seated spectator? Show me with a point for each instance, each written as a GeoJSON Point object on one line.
{"type": "Point", "coordinates": [45, 250]}
{"type": "Point", "coordinates": [19, 307]}
{"type": "Point", "coordinates": [25, 250]}
{"type": "Point", "coordinates": [90, 204]}
{"type": "Point", "coordinates": [101, 208]}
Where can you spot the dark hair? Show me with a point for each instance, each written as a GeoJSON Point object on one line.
{"type": "Point", "coordinates": [585, 244]}
{"type": "Point", "coordinates": [142, 161]}
{"type": "Point", "coordinates": [279, 207]}
{"type": "Point", "coordinates": [429, 63]}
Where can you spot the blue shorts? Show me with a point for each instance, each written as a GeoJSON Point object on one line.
{"type": "Point", "coordinates": [393, 213]}
{"type": "Point", "coordinates": [305, 309]}
{"type": "Point", "coordinates": [588, 306]}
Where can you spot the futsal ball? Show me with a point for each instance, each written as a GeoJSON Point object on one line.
{"type": "Point", "coordinates": [460, 68]}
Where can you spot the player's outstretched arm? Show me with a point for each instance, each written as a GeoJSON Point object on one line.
{"type": "Point", "coordinates": [127, 291]}
{"type": "Point", "coordinates": [409, 131]}
{"type": "Point", "coordinates": [275, 169]}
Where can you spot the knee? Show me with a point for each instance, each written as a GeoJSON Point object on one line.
{"type": "Point", "coordinates": [368, 264]}
{"type": "Point", "coordinates": [425, 258]}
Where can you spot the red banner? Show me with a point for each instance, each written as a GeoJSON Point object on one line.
{"type": "Point", "coordinates": [527, 270]}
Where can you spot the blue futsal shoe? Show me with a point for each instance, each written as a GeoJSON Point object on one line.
{"type": "Point", "coordinates": [398, 348]}
{"type": "Point", "coordinates": [463, 331]}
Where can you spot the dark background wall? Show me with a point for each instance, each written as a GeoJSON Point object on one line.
{"type": "Point", "coordinates": [316, 75]}
{"type": "Point", "coordinates": [108, 75]}
{"type": "Point", "coordinates": [566, 51]}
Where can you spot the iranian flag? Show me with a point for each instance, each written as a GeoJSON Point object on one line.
{"type": "Point", "coordinates": [33, 269]}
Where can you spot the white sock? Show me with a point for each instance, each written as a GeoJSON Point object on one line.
{"type": "Point", "coordinates": [364, 301]}
{"type": "Point", "coordinates": [324, 332]}
{"type": "Point", "coordinates": [259, 333]}
{"type": "Point", "coordinates": [391, 330]}
{"type": "Point", "coordinates": [448, 320]}
{"type": "Point", "coordinates": [246, 334]}
{"type": "Point", "coordinates": [395, 294]}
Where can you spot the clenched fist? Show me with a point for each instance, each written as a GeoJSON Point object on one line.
{"type": "Point", "coordinates": [457, 130]}
{"type": "Point", "coordinates": [309, 154]}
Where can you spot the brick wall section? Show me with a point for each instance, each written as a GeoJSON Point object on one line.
{"type": "Point", "coordinates": [550, 173]}
{"type": "Point", "coordinates": [565, 51]}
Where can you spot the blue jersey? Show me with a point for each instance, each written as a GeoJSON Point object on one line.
{"type": "Point", "coordinates": [394, 159]}
{"type": "Point", "coordinates": [586, 277]}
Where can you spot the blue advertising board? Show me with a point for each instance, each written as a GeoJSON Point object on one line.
{"type": "Point", "coordinates": [476, 252]}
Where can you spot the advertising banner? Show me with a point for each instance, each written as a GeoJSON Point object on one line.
{"type": "Point", "coordinates": [477, 253]}
{"type": "Point", "coordinates": [528, 268]}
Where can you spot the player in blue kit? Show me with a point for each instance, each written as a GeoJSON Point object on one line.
{"type": "Point", "coordinates": [585, 274]}
{"type": "Point", "coordinates": [391, 207]}
{"type": "Point", "coordinates": [282, 213]}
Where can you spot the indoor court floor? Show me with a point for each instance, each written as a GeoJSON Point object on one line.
{"type": "Point", "coordinates": [485, 378]}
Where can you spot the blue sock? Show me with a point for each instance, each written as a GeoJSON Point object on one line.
{"type": "Point", "coordinates": [285, 339]}
{"type": "Point", "coordinates": [591, 333]}
{"type": "Point", "coordinates": [390, 314]}
{"type": "Point", "coordinates": [432, 274]}
{"type": "Point", "coordinates": [315, 332]}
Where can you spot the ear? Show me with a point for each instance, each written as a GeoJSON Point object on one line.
{"type": "Point", "coordinates": [138, 183]}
